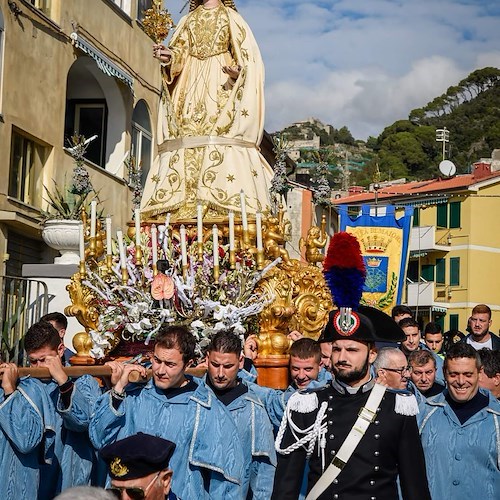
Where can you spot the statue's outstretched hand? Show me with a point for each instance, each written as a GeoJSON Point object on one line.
{"type": "Point", "coordinates": [162, 53]}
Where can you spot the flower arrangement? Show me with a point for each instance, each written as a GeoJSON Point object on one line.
{"type": "Point", "coordinates": [67, 202]}
{"type": "Point", "coordinates": [135, 311]}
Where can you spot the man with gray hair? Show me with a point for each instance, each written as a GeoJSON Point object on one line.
{"type": "Point", "coordinates": [391, 368]}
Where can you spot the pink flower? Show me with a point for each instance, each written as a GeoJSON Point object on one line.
{"type": "Point", "coordinates": [162, 287]}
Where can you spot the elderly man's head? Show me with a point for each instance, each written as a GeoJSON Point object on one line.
{"type": "Point", "coordinates": [391, 368]}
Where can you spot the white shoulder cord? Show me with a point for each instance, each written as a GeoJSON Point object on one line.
{"type": "Point", "coordinates": [309, 435]}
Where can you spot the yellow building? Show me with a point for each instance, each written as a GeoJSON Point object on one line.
{"type": "Point", "coordinates": [70, 66]}
{"type": "Point", "coordinates": [454, 247]}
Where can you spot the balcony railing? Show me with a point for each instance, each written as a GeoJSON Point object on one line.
{"type": "Point", "coordinates": [423, 240]}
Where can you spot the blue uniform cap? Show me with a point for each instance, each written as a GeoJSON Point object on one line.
{"type": "Point", "coordinates": [137, 456]}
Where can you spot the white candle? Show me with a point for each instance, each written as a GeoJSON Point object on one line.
{"type": "Point", "coordinates": [93, 217]}
{"type": "Point", "coordinates": [231, 230]}
{"type": "Point", "coordinates": [215, 233]}
{"type": "Point", "coordinates": [258, 225]}
{"type": "Point", "coordinates": [137, 219]}
{"type": "Point", "coordinates": [154, 243]}
{"type": "Point", "coordinates": [81, 242]}
{"type": "Point", "coordinates": [244, 220]}
{"type": "Point", "coordinates": [199, 220]}
{"type": "Point", "coordinates": [167, 220]}
{"type": "Point", "coordinates": [183, 245]}
{"type": "Point", "coordinates": [121, 248]}
{"type": "Point", "coordinates": [108, 235]}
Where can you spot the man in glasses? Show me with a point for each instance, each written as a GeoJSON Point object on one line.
{"type": "Point", "coordinates": [391, 368]}
{"type": "Point", "coordinates": [139, 467]}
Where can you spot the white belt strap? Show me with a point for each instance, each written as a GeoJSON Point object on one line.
{"type": "Point", "coordinates": [366, 416]}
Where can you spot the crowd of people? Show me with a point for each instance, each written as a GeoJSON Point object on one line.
{"type": "Point", "coordinates": [380, 413]}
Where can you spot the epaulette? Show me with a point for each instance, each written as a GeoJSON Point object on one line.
{"type": "Point", "coordinates": [305, 401]}
{"type": "Point", "coordinates": [406, 402]}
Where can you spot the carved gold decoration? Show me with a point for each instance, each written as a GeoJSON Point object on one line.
{"type": "Point", "coordinates": [82, 344]}
{"type": "Point", "coordinates": [315, 240]}
{"type": "Point", "coordinates": [117, 468]}
{"type": "Point", "coordinates": [301, 299]}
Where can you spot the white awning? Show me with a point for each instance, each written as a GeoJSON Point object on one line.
{"type": "Point", "coordinates": [422, 200]}
{"type": "Point", "coordinates": [107, 66]}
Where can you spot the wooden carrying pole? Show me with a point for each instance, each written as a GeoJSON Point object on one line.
{"type": "Point", "coordinates": [94, 371]}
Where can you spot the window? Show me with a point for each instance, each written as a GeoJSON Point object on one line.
{"type": "Point", "coordinates": [455, 214]}
{"type": "Point", "coordinates": [428, 272]}
{"type": "Point", "coordinates": [440, 271]}
{"type": "Point", "coordinates": [453, 321]}
{"type": "Point", "coordinates": [454, 271]}
{"type": "Point", "coordinates": [124, 5]}
{"type": "Point", "coordinates": [26, 163]}
{"type": "Point", "coordinates": [43, 5]}
{"type": "Point", "coordinates": [442, 215]}
{"type": "Point", "coordinates": [142, 139]}
{"type": "Point", "coordinates": [143, 5]}
{"type": "Point", "coordinates": [89, 118]}
{"type": "Point", "coordinates": [416, 217]}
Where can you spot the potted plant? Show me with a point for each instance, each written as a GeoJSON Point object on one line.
{"type": "Point", "coordinates": [63, 215]}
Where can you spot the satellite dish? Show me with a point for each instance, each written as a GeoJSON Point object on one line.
{"type": "Point", "coordinates": [447, 168]}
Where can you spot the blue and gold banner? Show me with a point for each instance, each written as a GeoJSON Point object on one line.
{"type": "Point", "coordinates": [384, 241]}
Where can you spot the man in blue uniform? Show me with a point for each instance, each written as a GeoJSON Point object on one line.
{"type": "Point", "coordinates": [208, 460]}
{"type": "Point", "coordinates": [224, 359]}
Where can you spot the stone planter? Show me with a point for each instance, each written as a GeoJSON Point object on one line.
{"type": "Point", "coordinates": [63, 235]}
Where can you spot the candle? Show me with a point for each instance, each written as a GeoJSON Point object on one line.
{"type": "Point", "coordinates": [244, 220]}
{"type": "Point", "coordinates": [121, 247]}
{"type": "Point", "coordinates": [183, 245]}
{"type": "Point", "coordinates": [137, 219]}
{"type": "Point", "coordinates": [231, 230]}
{"type": "Point", "coordinates": [199, 220]}
{"type": "Point", "coordinates": [258, 225]}
{"type": "Point", "coordinates": [154, 243]}
{"type": "Point", "coordinates": [108, 235]}
{"type": "Point", "coordinates": [93, 217]}
{"type": "Point", "coordinates": [167, 220]}
{"type": "Point", "coordinates": [215, 233]}
{"type": "Point", "coordinates": [81, 242]}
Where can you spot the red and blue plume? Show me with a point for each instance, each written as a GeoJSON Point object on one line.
{"type": "Point", "coordinates": [344, 270]}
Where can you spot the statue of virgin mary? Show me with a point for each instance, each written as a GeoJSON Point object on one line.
{"type": "Point", "coordinates": [211, 118]}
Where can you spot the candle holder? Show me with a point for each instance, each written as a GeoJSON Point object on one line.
{"type": "Point", "coordinates": [124, 276]}
{"type": "Point", "coordinates": [184, 272]}
{"type": "Point", "coordinates": [109, 262]}
{"type": "Point", "coordinates": [246, 239]}
{"type": "Point", "coordinates": [259, 259]}
{"type": "Point", "coordinates": [216, 274]}
{"type": "Point", "coordinates": [138, 255]}
{"type": "Point", "coordinates": [232, 259]}
{"type": "Point", "coordinates": [155, 269]}
{"type": "Point", "coordinates": [92, 247]}
{"type": "Point", "coordinates": [82, 271]}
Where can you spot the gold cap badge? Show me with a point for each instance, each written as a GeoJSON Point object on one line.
{"type": "Point", "coordinates": [117, 468]}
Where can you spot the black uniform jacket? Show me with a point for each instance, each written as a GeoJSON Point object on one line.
{"type": "Point", "coordinates": [391, 446]}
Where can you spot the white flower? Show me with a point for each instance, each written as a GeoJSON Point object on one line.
{"type": "Point", "coordinates": [198, 324]}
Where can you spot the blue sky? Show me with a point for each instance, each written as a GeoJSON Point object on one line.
{"type": "Point", "coordinates": [365, 63]}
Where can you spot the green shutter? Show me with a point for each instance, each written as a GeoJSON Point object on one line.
{"type": "Point", "coordinates": [454, 271]}
{"type": "Point", "coordinates": [440, 321]}
{"type": "Point", "coordinates": [428, 272]}
{"type": "Point", "coordinates": [455, 214]}
{"type": "Point", "coordinates": [440, 271]}
{"type": "Point", "coordinates": [453, 321]}
{"type": "Point", "coordinates": [416, 217]}
{"type": "Point", "coordinates": [442, 215]}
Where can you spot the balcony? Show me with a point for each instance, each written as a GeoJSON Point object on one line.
{"type": "Point", "coordinates": [426, 294]}
{"type": "Point", "coordinates": [423, 240]}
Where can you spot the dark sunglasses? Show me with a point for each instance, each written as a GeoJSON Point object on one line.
{"type": "Point", "coordinates": [133, 492]}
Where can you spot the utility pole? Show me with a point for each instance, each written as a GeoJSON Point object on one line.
{"type": "Point", "coordinates": [443, 135]}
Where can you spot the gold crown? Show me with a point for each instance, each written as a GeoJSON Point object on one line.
{"type": "Point", "coordinates": [117, 468]}
{"type": "Point", "coordinates": [373, 262]}
{"type": "Point", "coordinates": [376, 243]}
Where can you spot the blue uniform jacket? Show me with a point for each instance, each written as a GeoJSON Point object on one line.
{"type": "Point", "coordinates": [462, 460]}
{"type": "Point", "coordinates": [207, 443]}
{"type": "Point", "coordinates": [257, 440]}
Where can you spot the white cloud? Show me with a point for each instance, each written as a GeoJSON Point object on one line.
{"type": "Point", "coordinates": [365, 63]}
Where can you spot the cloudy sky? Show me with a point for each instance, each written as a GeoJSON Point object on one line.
{"type": "Point", "coordinates": [365, 63]}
